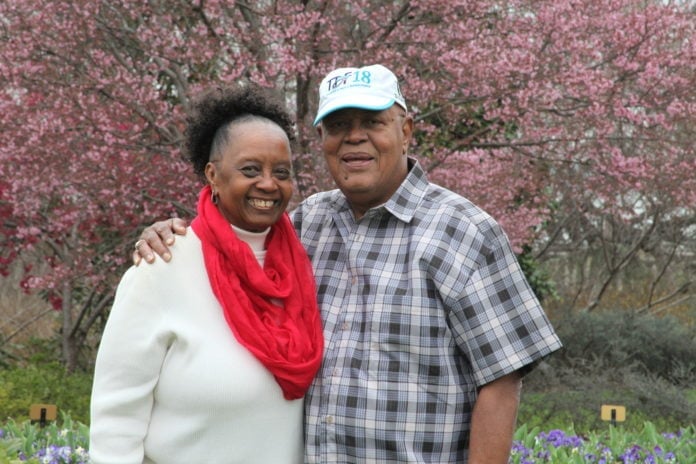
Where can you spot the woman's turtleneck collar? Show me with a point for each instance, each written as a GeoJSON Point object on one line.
{"type": "Point", "coordinates": [255, 240]}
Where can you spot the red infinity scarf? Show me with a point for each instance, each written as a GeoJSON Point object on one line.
{"type": "Point", "coordinates": [287, 339]}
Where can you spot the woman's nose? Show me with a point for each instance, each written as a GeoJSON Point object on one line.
{"type": "Point", "coordinates": [267, 182]}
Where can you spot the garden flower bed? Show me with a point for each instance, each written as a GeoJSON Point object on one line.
{"type": "Point", "coordinates": [28, 443]}
{"type": "Point", "coordinates": [67, 444]}
{"type": "Point", "coordinates": [611, 446]}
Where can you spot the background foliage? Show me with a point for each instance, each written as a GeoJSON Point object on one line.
{"type": "Point", "coordinates": [642, 362]}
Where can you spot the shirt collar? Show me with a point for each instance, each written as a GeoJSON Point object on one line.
{"type": "Point", "coordinates": [410, 194]}
{"type": "Point", "coordinates": [404, 202]}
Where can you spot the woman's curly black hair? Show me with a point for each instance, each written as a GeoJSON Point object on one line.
{"type": "Point", "coordinates": [218, 108]}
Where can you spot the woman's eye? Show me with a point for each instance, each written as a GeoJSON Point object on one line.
{"type": "Point", "coordinates": [250, 171]}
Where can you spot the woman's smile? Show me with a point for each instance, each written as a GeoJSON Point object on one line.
{"type": "Point", "coordinates": [262, 204]}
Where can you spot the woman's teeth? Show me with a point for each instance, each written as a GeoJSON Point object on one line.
{"type": "Point", "coordinates": [261, 204]}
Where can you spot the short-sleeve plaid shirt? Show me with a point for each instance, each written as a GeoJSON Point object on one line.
{"type": "Point", "coordinates": [423, 301]}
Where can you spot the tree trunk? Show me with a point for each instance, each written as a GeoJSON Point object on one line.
{"type": "Point", "coordinates": [69, 350]}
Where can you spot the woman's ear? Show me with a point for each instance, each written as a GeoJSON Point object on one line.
{"type": "Point", "coordinates": [210, 173]}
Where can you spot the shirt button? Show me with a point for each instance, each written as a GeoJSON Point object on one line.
{"type": "Point", "coordinates": [329, 420]}
{"type": "Point", "coordinates": [354, 280]}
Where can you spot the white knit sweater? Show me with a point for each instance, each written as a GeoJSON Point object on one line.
{"type": "Point", "coordinates": [172, 384]}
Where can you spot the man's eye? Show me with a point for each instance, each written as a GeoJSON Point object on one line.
{"type": "Point", "coordinates": [250, 171]}
{"type": "Point", "coordinates": [337, 125]}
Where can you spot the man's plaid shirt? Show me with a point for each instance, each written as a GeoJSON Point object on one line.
{"type": "Point", "coordinates": [423, 301]}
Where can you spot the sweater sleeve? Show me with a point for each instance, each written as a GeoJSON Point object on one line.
{"type": "Point", "coordinates": [130, 356]}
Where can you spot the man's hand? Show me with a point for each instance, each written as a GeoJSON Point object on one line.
{"type": "Point", "coordinates": [156, 239]}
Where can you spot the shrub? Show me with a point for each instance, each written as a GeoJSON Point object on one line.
{"type": "Point", "coordinates": [642, 362]}
{"type": "Point", "coordinates": [44, 383]}
{"type": "Point", "coordinates": [658, 346]}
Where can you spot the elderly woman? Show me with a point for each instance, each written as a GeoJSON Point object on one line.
{"type": "Point", "coordinates": [207, 358]}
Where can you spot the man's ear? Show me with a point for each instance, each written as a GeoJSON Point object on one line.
{"type": "Point", "coordinates": [319, 130]}
{"type": "Point", "coordinates": [407, 130]}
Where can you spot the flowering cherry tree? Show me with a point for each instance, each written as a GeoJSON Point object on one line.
{"type": "Point", "coordinates": [570, 121]}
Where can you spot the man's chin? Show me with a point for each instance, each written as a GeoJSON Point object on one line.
{"type": "Point", "coordinates": [356, 183]}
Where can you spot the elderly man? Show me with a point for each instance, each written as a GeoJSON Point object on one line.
{"type": "Point", "coordinates": [428, 320]}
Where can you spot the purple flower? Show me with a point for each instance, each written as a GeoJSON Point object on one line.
{"type": "Point", "coordinates": [558, 438]}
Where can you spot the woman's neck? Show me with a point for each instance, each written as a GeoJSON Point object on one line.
{"type": "Point", "coordinates": [255, 240]}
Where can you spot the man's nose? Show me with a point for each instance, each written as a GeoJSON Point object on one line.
{"type": "Point", "coordinates": [357, 130]}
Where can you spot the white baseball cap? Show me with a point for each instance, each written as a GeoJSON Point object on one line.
{"type": "Point", "coordinates": [370, 88]}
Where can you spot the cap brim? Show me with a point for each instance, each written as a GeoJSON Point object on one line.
{"type": "Point", "coordinates": [371, 103]}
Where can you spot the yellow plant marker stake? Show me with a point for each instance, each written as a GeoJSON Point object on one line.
{"type": "Point", "coordinates": [42, 413]}
{"type": "Point", "coordinates": [613, 413]}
